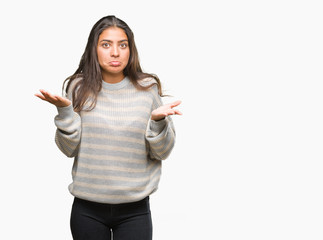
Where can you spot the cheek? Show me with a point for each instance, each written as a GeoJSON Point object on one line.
{"type": "Point", "coordinates": [101, 56]}
{"type": "Point", "coordinates": [127, 57]}
{"type": "Point", "coordinates": [98, 53]}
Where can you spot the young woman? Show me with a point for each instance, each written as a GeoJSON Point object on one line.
{"type": "Point", "coordinates": [113, 123]}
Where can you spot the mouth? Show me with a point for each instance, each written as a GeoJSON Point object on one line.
{"type": "Point", "coordinates": [115, 63]}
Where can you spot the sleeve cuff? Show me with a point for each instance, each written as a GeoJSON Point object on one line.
{"type": "Point", "coordinates": [158, 126]}
{"type": "Point", "coordinates": [65, 112]}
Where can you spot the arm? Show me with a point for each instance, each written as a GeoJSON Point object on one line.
{"type": "Point", "coordinates": [68, 133]}
{"type": "Point", "coordinates": [161, 138]}
{"type": "Point", "coordinates": [68, 123]}
{"type": "Point", "coordinates": [160, 134]}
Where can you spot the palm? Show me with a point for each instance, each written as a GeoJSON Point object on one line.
{"type": "Point", "coordinates": [56, 100]}
{"type": "Point", "coordinates": [165, 110]}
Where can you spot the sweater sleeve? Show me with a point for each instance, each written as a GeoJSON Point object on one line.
{"type": "Point", "coordinates": [160, 135]}
{"type": "Point", "coordinates": [68, 132]}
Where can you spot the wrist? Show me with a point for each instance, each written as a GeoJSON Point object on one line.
{"type": "Point", "coordinates": [157, 119]}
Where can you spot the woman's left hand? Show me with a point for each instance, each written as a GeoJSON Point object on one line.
{"type": "Point", "coordinates": [165, 110]}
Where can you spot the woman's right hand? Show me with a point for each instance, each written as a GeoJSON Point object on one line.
{"type": "Point", "coordinates": [56, 100]}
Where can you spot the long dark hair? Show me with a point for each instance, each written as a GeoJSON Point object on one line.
{"type": "Point", "coordinates": [89, 71]}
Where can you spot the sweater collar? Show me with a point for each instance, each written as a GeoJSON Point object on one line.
{"type": "Point", "coordinates": [115, 86]}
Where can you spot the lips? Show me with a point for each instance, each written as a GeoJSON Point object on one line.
{"type": "Point", "coordinates": [115, 64]}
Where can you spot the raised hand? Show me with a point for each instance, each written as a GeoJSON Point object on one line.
{"type": "Point", "coordinates": [56, 100]}
{"type": "Point", "coordinates": [165, 110]}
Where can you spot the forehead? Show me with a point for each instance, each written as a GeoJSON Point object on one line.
{"type": "Point", "coordinates": [113, 34]}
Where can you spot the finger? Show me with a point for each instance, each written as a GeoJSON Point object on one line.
{"type": "Point", "coordinates": [43, 91]}
{"type": "Point", "coordinates": [40, 96]}
{"type": "Point", "coordinates": [174, 112]}
{"type": "Point", "coordinates": [176, 103]}
{"type": "Point", "coordinates": [47, 94]}
{"type": "Point", "coordinates": [177, 112]}
{"type": "Point", "coordinates": [43, 95]}
{"type": "Point", "coordinates": [50, 97]}
{"type": "Point", "coordinates": [170, 112]}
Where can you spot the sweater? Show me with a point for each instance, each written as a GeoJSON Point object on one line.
{"type": "Point", "coordinates": [117, 148]}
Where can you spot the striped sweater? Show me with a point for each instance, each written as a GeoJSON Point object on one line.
{"type": "Point", "coordinates": [117, 148]}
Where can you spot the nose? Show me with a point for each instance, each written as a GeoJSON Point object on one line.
{"type": "Point", "coordinates": [114, 52]}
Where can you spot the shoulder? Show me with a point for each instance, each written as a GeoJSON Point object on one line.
{"type": "Point", "coordinates": [153, 88]}
{"type": "Point", "coordinates": [147, 82]}
{"type": "Point", "coordinates": [150, 85]}
{"type": "Point", "coordinates": [72, 83]}
{"type": "Point", "coordinates": [71, 86]}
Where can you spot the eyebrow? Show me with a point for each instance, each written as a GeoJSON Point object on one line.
{"type": "Point", "coordinates": [107, 40]}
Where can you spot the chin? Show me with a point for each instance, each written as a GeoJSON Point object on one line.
{"type": "Point", "coordinates": [115, 70]}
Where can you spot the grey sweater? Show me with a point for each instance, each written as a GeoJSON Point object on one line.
{"type": "Point", "coordinates": [117, 149]}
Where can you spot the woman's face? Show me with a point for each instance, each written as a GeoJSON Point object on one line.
{"type": "Point", "coordinates": [113, 52]}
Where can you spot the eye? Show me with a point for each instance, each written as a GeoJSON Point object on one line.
{"type": "Point", "coordinates": [123, 45]}
{"type": "Point", "coordinates": [106, 45]}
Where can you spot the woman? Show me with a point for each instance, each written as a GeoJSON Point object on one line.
{"type": "Point", "coordinates": [113, 123]}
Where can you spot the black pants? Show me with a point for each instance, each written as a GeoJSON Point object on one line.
{"type": "Point", "coordinates": [127, 221]}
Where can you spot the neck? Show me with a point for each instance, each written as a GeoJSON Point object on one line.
{"type": "Point", "coordinates": [112, 78]}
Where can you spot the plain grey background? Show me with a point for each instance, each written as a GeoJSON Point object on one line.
{"type": "Point", "coordinates": [248, 158]}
